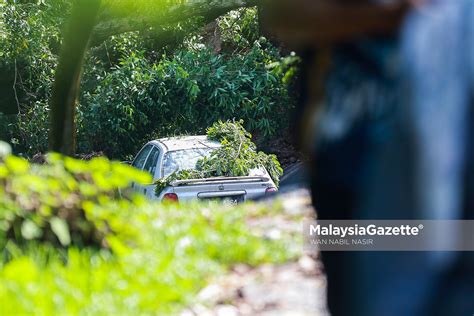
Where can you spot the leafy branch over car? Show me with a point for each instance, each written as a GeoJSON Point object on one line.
{"type": "Point", "coordinates": [223, 165]}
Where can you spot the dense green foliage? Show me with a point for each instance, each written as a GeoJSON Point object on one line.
{"type": "Point", "coordinates": [73, 239]}
{"type": "Point", "coordinates": [29, 41]}
{"type": "Point", "coordinates": [236, 157]}
{"type": "Point", "coordinates": [240, 28]}
{"type": "Point", "coordinates": [47, 202]}
{"type": "Point", "coordinates": [184, 93]}
{"type": "Point", "coordinates": [175, 251]}
{"type": "Point", "coordinates": [152, 258]}
{"type": "Point", "coordinates": [135, 86]}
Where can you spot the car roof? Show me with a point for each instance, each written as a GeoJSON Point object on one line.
{"type": "Point", "coordinates": [187, 142]}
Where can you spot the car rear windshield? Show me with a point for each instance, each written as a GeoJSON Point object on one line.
{"type": "Point", "coordinates": [183, 159]}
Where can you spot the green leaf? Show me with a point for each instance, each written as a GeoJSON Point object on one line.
{"type": "Point", "coordinates": [17, 164]}
{"type": "Point", "coordinates": [5, 149]}
{"type": "Point", "coordinates": [29, 230]}
{"type": "Point", "coordinates": [61, 230]}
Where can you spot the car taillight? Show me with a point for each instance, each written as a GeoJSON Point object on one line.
{"type": "Point", "coordinates": [170, 197]}
{"type": "Point", "coordinates": [270, 190]}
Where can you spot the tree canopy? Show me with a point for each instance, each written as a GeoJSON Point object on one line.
{"type": "Point", "coordinates": [177, 75]}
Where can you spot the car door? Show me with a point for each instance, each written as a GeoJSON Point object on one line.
{"type": "Point", "coordinates": [151, 166]}
{"type": "Point", "coordinates": [139, 163]}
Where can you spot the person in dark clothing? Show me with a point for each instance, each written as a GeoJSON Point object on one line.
{"type": "Point", "coordinates": [398, 145]}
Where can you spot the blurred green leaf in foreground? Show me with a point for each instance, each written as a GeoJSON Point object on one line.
{"type": "Point", "coordinates": [72, 244]}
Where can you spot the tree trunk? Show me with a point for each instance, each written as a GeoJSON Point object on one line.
{"type": "Point", "coordinates": [68, 75]}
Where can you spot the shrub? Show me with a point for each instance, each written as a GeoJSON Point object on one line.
{"type": "Point", "coordinates": [155, 259]}
{"type": "Point", "coordinates": [184, 93]}
{"type": "Point", "coordinates": [161, 258]}
{"type": "Point", "coordinates": [46, 202]}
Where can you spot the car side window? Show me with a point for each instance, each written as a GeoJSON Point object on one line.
{"type": "Point", "coordinates": [150, 164]}
{"type": "Point", "coordinates": [141, 157]}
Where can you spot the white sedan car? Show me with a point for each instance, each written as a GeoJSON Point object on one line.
{"type": "Point", "coordinates": [164, 156]}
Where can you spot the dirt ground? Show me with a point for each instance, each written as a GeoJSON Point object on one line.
{"type": "Point", "coordinates": [292, 288]}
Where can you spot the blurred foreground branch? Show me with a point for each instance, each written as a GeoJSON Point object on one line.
{"type": "Point", "coordinates": [209, 10]}
{"type": "Point", "coordinates": [311, 23]}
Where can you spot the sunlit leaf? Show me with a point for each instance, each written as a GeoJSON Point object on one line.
{"type": "Point", "coordinates": [61, 229]}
